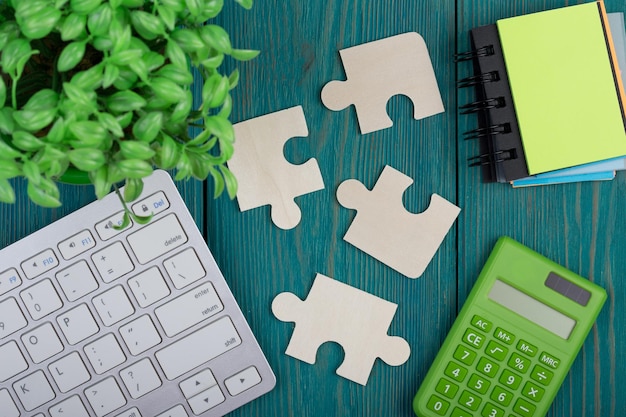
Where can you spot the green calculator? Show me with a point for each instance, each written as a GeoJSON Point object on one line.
{"type": "Point", "coordinates": [514, 340]}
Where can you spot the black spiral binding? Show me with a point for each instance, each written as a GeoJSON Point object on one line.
{"type": "Point", "coordinates": [501, 154]}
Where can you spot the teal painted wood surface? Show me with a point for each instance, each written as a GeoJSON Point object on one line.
{"type": "Point", "coordinates": [582, 226]}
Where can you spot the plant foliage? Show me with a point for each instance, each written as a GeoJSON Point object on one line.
{"type": "Point", "coordinates": [104, 87]}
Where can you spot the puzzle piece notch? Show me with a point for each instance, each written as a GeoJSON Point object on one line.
{"type": "Point", "coordinates": [336, 312]}
{"type": "Point", "coordinates": [379, 70]}
{"type": "Point", "coordinates": [384, 229]}
{"type": "Point", "coordinates": [263, 174]}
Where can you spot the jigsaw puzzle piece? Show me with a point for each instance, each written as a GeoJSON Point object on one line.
{"type": "Point", "coordinates": [336, 312]}
{"type": "Point", "coordinates": [379, 70]}
{"type": "Point", "coordinates": [384, 229]}
{"type": "Point", "coordinates": [264, 176]}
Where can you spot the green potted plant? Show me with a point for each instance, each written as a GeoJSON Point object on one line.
{"type": "Point", "coordinates": [99, 92]}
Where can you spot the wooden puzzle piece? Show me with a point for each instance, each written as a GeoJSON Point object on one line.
{"type": "Point", "coordinates": [264, 175]}
{"type": "Point", "coordinates": [379, 70]}
{"type": "Point", "coordinates": [339, 313]}
{"type": "Point", "coordinates": [384, 229]}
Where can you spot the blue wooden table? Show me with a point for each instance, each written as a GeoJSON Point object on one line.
{"type": "Point", "coordinates": [581, 226]}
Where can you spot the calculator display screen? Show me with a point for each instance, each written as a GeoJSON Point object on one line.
{"type": "Point", "coordinates": [531, 309]}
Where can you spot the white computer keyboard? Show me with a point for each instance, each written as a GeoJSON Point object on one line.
{"type": "Point", "coordinates": [96, 321]}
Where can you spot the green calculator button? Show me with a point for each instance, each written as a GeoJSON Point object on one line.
{"type": "Point", "coordinates": [510, 379]}
{"type": "Point", "coordinates": [526, 348]}
{"type": "Point", "coordinates": [541, 375]}
{"type": "Point", "coordinates": [478, 384]}
{"type": "Point", "coordinates": [496, 350]}
{"type": "Point", "coordinates": [447, 388]}
{"type": "Point", "coordinates": [533, 391]}
{"type": "Point", "coordinates": [501, 396]}
{"type": "Point", "coordinates": [481, 323]}
{"type": "Point", "coordinates": [457, 412]}
{"type": "Point", "coordinates": [549, 360]}
{"type": "Point", "coordinates": [491, 410]}
{"type": "Point", "coordinates": [438, 405]}
{"type": "Point", "coordinates": [487, 367]}
{"type": "Point", "coordinates": [465, 355]}
{"type": "Point", "coordinates": [470, 400]}
{"type": "Point", "coordinates": [473, 338]}
{"type": "Point", "coordinates": [455, 371]}
{"type": "Point", "coordinates": [519, 363]}
{"type": "Point", "coordinates": [523, 408]}
{"type": "Point", "coordinates": [504, 336]}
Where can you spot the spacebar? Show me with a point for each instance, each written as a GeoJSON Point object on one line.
{"type": "Point", "coordinates": [197, 348]}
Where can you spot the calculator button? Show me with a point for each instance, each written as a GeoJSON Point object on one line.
{"type": "Point", "coordinates": [464, 355]}
{"type": "Point", "coordinates": [541, 375]}
{"type": "Point", "coordinates": [485, 366]}
{"type": "Point", "coordinates": [510, 379]}
{"type": "Point", "coordinates": [438, 405]}
{"type": "Point", "coordinates": [456, 371]}
{"type": "Point", "coordinates": [481, 323]}
{"type": "Point", "coordinates": [503, 336]}
{"type": "Point", "coordinates": [473, 338]}
{"type": "Point", "coordinates": [478, 384]}
{"type": "Point", "coordinates": [447, 388]}
{"type": "Point", "coordinates": [457, 412]}
{"type": "Point", "coordinates": [496, 350]}
{"type": "Point", "coordinates": [469, 400]}
{"type": "Point", "coordinates": [525, 347]}
{"type": "Point", "coordinates": [491, 410]}
{"type": "Point", "coordinates": [549, 360]}
{"type": "Point", "coordinates": [533, 391]}
{"type": "Point", "coordinates": [501, 396]}
{"type": "Point", "coordinates": [519, 363]}
{"type": "Point", "coordinates": [523, 408]}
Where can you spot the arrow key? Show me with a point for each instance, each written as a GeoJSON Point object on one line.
{"type": "Point", "coordinates": [206, 400]}
{"type": "Point", "coordinates": [71, 407]}
{"type": "Point", "coordinates": [242, 381]}
{"type": "Point", "coordinates": [197, 383]}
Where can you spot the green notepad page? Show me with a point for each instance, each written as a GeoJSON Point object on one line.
{"type": "Point", "coordinates": [564, 91]}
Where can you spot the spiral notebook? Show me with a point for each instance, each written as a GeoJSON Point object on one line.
{"type": "Point", "coordinates": [548, 92]}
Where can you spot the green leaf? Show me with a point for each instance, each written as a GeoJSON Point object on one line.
{"type": "Point", "coordinates": [133, 3]}
{"type": "Point", "coordinates": [230, 180]}
{"type": "Point", "coordinates": [188, 39]}
{"type": "Point", "coordinates": [124, 119]}
{"type": "Point", "coordinates": [233, 79]}
{"type": "Point", "coordinates": [14, 53]}
{"type": "Point", "coordinates": [7, 195]}
{"type": "Point", "coordinates": [3, 92]}
{"type": "Point", "coordinates": [87, 159]}
{"type": "Point", "coordinates": [31, 171]}
{"type": "Point", "coordinates": [125, 101]}
{"type": "Point", "coordinates": [111, 72]}
{"type": "Point", "coordinates": [42, 100]}
{"type": "Point", "coordinates": [71, 55]}
{"type": "Point", "coordinates": [227, 107]}
{"type": "Point", "coordinates": [57, 132]}
{"type": "Point", "coordinates": [220, 127]}
{"type": "Point", "coordinates": [175, 54]}
{"type": "Point", "coordinates": [180, 76]}
{"type": "Point", "coordinates": [140, 68]}
{"type": "Point", "coordinates": [167, 154]}
{"type": "Point", "coordinates": [168, 16]}
{"type": "Point", "coordinates": [214, 60]}
{"type": "Point", "coordinates": [153, 60]}
{"type": "Point", "coordinates": [9, 169]}
{"type": "Point", "coordinates": [38, 24]}
{"type": "Point", "coordinates": [147, 127]}
{"type": "Point", "coordinates": [167, 90]}
{"type": "Point", "coordinates": [99, 20]}
{"type": "Point", "coordinates": [73, 26]}
{"type": "Point", "coordinates": [103, 43]}
{"type": "Point", "coordinates": [147, 25]}
{"type": "Point", "coordinates": [90, 79]}
{"type": "Point", "coordinates": [84, 6]}
{"type": "Point", "coordinates": [211, 8]}
{"type": "Point", "coordinates": [218, 182]}
{"type": "Point", "coordinates": [110, 122]}
{"type": "Point", "coordinates": [244, 54]}
{"type": "Point", "coordinates": [7, 152]}
{"type": "Point", "coordinates": [217, 94]}
{"type": "Point", "coordinates": [121, 34]}
{"type": "Point", "coordinates": [46, 194]}
{"type": "Point", "coordinates": [181, 109]}
{"type": "Point", "coordinates": [126, 80]}
{"type": "Point", "coordinates": [99, 180]}
{"type": "Point", "coordinates": [183, 167]}
{"type": "Point", "coordinates": [134, 168]}
{"type": "Point", "coordinates": [176, 5]}
{"type": "Point", "coordinates": [34, 120]}
{"type": "Point", "coordinates": [133, 189]}
{"type": "Point", "coordinates": [7, 124]}
{"type": "Point", "coordinates": [26, 141]}
{"type": "Point", "coordinates": [136, 150]}
{"type": "Point", "coordinates": [246, 4]}
{"type": "Point", "coordinates": [89, 133]}
{"type": "Point", "coordinates": [216, 37]}
{"type": "Point", "coordinates": [81, 98]}
{"type": "Point", "coordinates": [125, 57]}
{"type": "Point", "coordinates": [8, 31]}
{"type": "Point", "coordinates": [193, 6]}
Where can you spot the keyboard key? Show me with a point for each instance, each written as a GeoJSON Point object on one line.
{"type": "Point", "coordinates": [189, 309]}
{"type": "Point", "coordinates": [140, 378]}
{"type": "Point", "coordinates": [206, 400]}
{"type": "Point", "coordinates": [154, 204]}
{"type": "Point", "coordinates": [105, 227]}
{"type": "Point", "coordinates": [501, 396]}
{"type": "Point", "coordinates": [7, 405]}
{"type": "Point", "coordinates": [39, 263]}
{"type": "Point", "coordinates": [487, 367]}
{"type": "Point", "coordinates": [41, 299]}
{"type": "Point", "coordinates": [133, 412]}
{"type": "Point", "coordinates": [42, 343]}
{"type": "Point", "coordinates": [113, 306]}
{"type": "Point", "coordinates": [184, 268]}
{"type": "Point", "coordinates": [77, 281]}
{"type": "Point", "coordinates": [197, 348]}
{"type": "Point", "coordinates": [549, 360]}
{"type": "Point", "coordinates": [148, 287]}
{"type": "Point", "coordinates": [112, 262]}
{"type": "Point", "coordinates": [458, 412]}
{"type": "Point", "coordinates": [464, 355]}
{"type": "Point", "coordinates": [33, 390]}
{"type": "Point", "coordinates": [481, 323]}
{"type": "Point", "coordinates": [519, 363]}
{"type": "Point", "coordinates": [11, 318]}
{"type": "Point", "coordinates": [76, 244]}
{"type": "Point", "coordinates": [72, 406]}
{"type": "Point", "coordinates": [438, 405]}
{"type": "Point", "coordinates": [77, 324]}
{"type": "Point", "coordinates": [9, 280]}
{"type": "Point", "coordinates": [478, 384]}
{"type": "Point", "coordinates": [510, 379]}
{"type": "Point", "coordinates": [242, 381]}
{"type": "Point", "coordinates": [446, 388]}
{"type": "Point", "coordinates": [504, 336]}
{"type": "Point", "coordinates": [496, 350]}
{"type": "Point", "coordinates": [524, 408]}
{"type": "Point", "coordinates": [140, 335]}
{"type": "Point", "coordinates": [198, 383]}
{"type": "Point", "coordinates": [491, 410]}
{"type": "Point", "coordinates": [12, 361]}
{"type": "Point", "coordinates": [540, 374]}
{"type": "Point", "coordinates": [525, 347]}
{"type": "Point", "coordinates": [178, 411]}
{"type": "Point", "coordinates": [105, 397]}
{"type": "Point", "coordinates": [157, 238]}
{"type": "Point", "coordinates": [473, 338]}
{"type": "Point", "coordinates": [455, 371]}
{"type": "Point", "coordinates": [69, 372]}
{"type": "Point", "coordinates": [104, 354]}
{"type": "Point", "coordinates": [470, 400]}
{"type": "Point", "coordinates": [533, 391]}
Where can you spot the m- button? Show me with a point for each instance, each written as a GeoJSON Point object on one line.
{"type": "Point", "coordinates": [473, 338]}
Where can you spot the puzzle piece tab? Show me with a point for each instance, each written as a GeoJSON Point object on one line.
{"type": "Point", "coordinates": [355, 319]}
{"type": "Point", "coordinates": [264, 175]}
{"type": "Point", "coordinates": [379, 70]}
{"type": "Point", "coordinates": [384, 229]}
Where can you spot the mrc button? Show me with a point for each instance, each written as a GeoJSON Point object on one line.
{"type": "Point", "coordinates": [549, 360]}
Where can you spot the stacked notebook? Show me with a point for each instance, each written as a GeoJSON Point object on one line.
{"type": "Point", "coordinates": [550, 96]}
